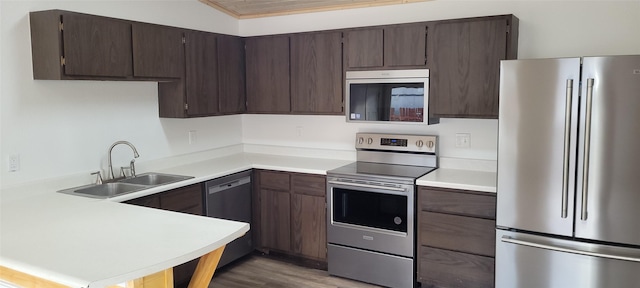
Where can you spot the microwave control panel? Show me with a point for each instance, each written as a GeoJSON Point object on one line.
{"type": "Point", "coordinates": [397, 142]}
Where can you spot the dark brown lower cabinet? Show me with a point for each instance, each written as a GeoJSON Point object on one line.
{"type": "Point", "coordinates": [275, 211]}
{"type": "Point", "coordinates": [456, 238]}
{"type": "Point", "coordinates": [292, 209]}
{"type": "Point", "coordinates": [308, 216]}
{"type": "Point", "coordinates": [188, 199]}
{"type": "Point", "coordinates": [446, 268]}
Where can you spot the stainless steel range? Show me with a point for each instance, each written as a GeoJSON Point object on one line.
{"type": "Point", "coordinates": [371, 204]}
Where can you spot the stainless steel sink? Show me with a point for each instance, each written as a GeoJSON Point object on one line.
{"type": "Point", "coordinates": [125, 185]}
{"type": "Point", "coordinates": [155, 179]}
{"type": "Point", "coordinates": [105, 190]}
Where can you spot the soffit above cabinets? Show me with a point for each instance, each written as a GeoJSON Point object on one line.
{"type": "Point", "coordinates": [243, 9]}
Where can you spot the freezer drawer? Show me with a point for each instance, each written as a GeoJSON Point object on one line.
{"type": "Point", "coordinates": [530, 261]}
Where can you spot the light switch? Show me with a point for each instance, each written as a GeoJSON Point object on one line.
{"type": "Point", "coordinates": [463, 140]}
{"type": "Point", "coordinates": [193, 136]}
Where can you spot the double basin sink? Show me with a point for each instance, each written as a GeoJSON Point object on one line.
{"type": "Point", "coordinates": [125, 185]}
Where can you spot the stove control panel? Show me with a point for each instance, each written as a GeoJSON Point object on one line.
{"type": "Point", "coordinates": [397, 142]}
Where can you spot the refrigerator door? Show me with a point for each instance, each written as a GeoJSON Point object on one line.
{"type": "Point", "coordinates": [537, 134]}
{"type": "Point", "coordinates": [529, 261]}
{"type": "Point", "coordinates": [609, 153]}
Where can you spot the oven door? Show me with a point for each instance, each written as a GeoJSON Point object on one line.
{"type": "Point", "coordinates": [371, 215]}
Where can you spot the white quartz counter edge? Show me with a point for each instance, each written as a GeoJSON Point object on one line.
{"type": "Point", "coordinates": [460, 179]}
{"type": "Point", "coordinates": [213, 168]}
{"type": "Point", "coordinates": [86, 242]}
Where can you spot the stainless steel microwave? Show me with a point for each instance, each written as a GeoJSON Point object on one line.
{"type": "Point", "coordinates": [398, 96]}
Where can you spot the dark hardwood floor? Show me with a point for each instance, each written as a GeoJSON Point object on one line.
{"type": "Point", "coordinates": [258, 271]}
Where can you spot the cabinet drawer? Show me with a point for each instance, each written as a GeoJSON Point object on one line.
{"type": "Point", "coordinates": [460, 233]}
{"type": "Point", "coordinates": [457, 202]}
{"type": "Point", "coordinates": [187, 199]}
{"type": "Point", "coordinates": [312, 185]}
{"type": "Point", "coordinates": [274, 180]}
{"type": "Point", "coordinates": [444, 268]}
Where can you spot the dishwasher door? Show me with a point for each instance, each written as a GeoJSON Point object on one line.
{"type": "Point", "coordinates": [229, 198]}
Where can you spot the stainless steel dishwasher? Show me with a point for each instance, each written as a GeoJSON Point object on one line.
{"type": "Point", "coordinates": [229, 198]}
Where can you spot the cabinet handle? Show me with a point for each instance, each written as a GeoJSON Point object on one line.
{"type": "Point", "coordinates": [587, 147]}
{"type": "Point", "coordinates": [567, 147]}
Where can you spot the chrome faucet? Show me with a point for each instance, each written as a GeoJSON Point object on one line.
{"type": "Point", "coordinates": [135, 155]}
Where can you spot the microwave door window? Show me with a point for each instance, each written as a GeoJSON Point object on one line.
{"type": "Point", "coordinates": [401, 102]}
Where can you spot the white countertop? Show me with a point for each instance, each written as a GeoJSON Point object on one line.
{"type": "Point", "coordinates": [460, 179]}
{"type": "Point", "coordinates": [85, 242]}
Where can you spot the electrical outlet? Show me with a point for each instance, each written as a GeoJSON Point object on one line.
{"type": "Point", "coordinates": [193, 136]}
{"type": "Point", "coordinates": [14, 163]}
{"type": "Point", "coordinates": [299, 131]}
{"type": "Point", "coordinates": [463, 140]}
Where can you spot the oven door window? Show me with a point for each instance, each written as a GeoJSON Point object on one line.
{"type": "Point", "coordinates": [400, 102]}
{"type": "Point", "coordinates": [370, 209]}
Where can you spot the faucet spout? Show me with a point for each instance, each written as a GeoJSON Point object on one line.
{"type": "Point", "coordinates": [135, 154]}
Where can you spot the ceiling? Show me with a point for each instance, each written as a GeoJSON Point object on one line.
{"type": "Point", "coordinates": [242, 9]}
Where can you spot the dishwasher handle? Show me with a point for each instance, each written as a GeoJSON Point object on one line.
{"type": "Point", "coordinates": [229, 185]}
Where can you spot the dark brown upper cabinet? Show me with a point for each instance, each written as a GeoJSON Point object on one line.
{"type": "Point", "coordinates": [316, 73]}
{"type": "Point", "coordinates": [267, 62]}
{"type": "Point", "coordinates": [231, 77]}
{"type": "Point", "coordinates": [466, 63]}
{"type": "Point", "coordinates": [213, 82]}
{"type": "Point", "coordinates": [78, 46]}
{"type": "Point", "coordinates": [394, 46]}
{"type": "Point", "coordinates": [201, 73]}
{"type": "Point", "coordinates": [68, 45]}
{"type": "Point", "coordinates": [365, 48]}
{"type": "Point", "coordinates": [157, 51]}
{"type": "Point", "coordinates": [405, 46]}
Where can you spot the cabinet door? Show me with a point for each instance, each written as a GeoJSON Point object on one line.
{"type": "Point", "coordinates": [405, 46]}
{"type": "Point", "coordinates": [158, 51]}
{"type": "Point", "coordinates": [316, 73]}
{"type": "Point", "coordinates": [465, 75]}
{"type": "Point", "coordinates": [201, 73]}
{"type": "Point", "coordinates": [231, 80]}
{"type": "Point", "coordinates": [365, 48]}
{"type": "Point", "coordinates": [276, 219]}
{"type": "Point", "coordinates": [309, 227]}
{"type": "Point", "coordinates": [267, 61]}
{"type": "Point", "coordinates": [96, 46]}
{"type": "Point", "coordinates": [308, 216]}
{"type": "Point", "coordinates": [187, 199]}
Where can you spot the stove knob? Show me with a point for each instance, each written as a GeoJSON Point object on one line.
{"type": "Point", "coordinates": [369, 141]}
{"type": "Point", "coordinates": [430, 144]}
{"type": "Point", "coordinates": [360, 140]}
{"type": "Point", "coordinates": [419, 143]}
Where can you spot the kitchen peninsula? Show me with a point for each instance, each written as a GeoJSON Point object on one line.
{"type": "Point", "coordinates": [86, 242]}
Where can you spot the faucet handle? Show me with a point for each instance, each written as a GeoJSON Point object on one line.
{"type": "Point", "coordinates": [98, 177]}
{"type": "Point", "coordinates": [132, 166]}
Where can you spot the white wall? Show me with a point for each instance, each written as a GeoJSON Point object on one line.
{"type": "Point", "coordinates": [547, 29]}
{"type": "Point", "coordinates": [65, 127]}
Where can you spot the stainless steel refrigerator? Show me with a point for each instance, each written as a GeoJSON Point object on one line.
{"type": "Point", "coordinates": [568, 191]}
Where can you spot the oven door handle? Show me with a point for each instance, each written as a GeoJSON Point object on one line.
{"type": "Point", "coordinates": [367, 186]}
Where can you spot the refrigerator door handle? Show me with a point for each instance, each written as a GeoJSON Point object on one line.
{"type": "Point", "coordinates": [567, 149]}
{"type": "Point", "coordinates": [587, 146]}
{"type": "Point", "coordinates": [511, 240]}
